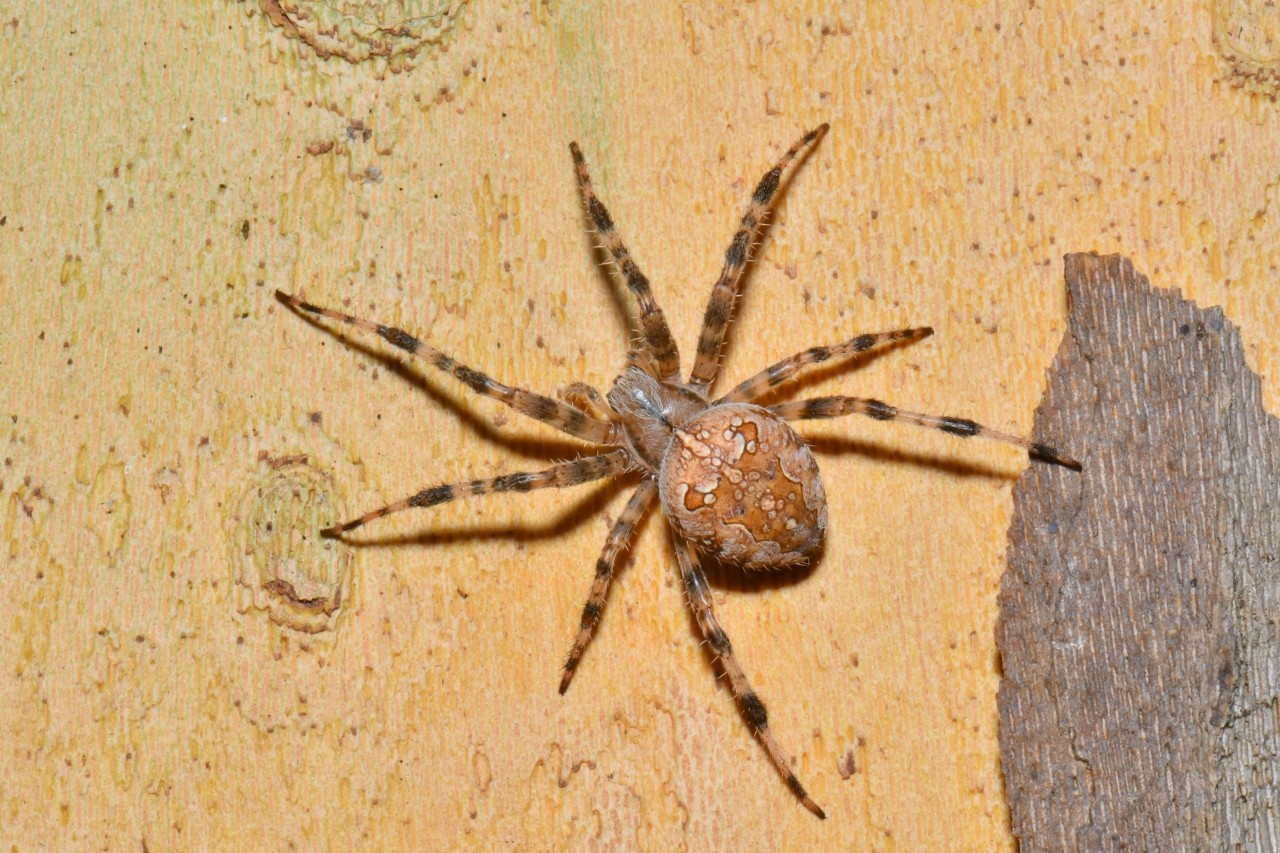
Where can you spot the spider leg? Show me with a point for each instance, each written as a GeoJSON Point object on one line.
{"type": "Point", "coordinates": [640, 358]}
{"type": "Point", "coordinates": [720, 306]}
{"type": "Point", "coordinates": [619, 538]}
{"type": "Point", "coordinates": [834, 407]}
{"type": "Point", "coordinates": [583, 397]}
{"type": "Point", "coordinates": [695, 583]}
{"type": "Point", "coordinates": [657, 334]}
{"type": "Point", "coordinates": [552, 412]}
{"type": "Point", "coordinates": [776, 374]}
{"type": "Point", "coordinates": [558, 476]}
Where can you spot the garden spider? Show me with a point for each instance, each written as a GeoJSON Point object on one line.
{"type": "Point", "coordinates": [734, 481]}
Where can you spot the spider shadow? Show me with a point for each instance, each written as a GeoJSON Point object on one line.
{"type": "Point", "coordinates": [567, 520]}
{"type": "Point", "coordinates": [571, 518]}
{"type": "Point", "coordinates": [736, 579]}
{"type": "Point", "coordinates": [615, 290]}
{"type": "Point", "coordinates": [399, 367]}
{"type": "Point", "coordinates": [722, 576]}
{"type": "Point", "coordinates": [836, 446]}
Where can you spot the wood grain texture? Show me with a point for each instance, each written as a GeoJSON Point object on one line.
{"type": "Point", "coordinates": [179, 672]}
{"type": "Point", "coordinates": [1136, 615]}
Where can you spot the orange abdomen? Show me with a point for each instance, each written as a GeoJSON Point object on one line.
{"type": "Point", "coordinates": [742, 486]}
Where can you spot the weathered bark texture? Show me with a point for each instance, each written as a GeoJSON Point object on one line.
{"type": "Point", "coordinates": [1137, 619]}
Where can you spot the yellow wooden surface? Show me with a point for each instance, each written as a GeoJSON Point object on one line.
{"type": "Point", "coordinates": [168, 165]}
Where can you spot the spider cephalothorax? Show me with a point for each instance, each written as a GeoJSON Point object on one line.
{"type": "Point", "coordinates": [734, 480]}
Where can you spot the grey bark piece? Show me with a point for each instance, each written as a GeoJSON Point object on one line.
{"type": "Point", "coordinates": [1139, 625]}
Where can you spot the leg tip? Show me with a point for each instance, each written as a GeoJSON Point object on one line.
{"type": "Point", "coordinates": [295, 303]}
{"type": "Point", "coordinates": [796, 788]}
{"type": "Point", "coordinates": [570, 667]}
{"type": "Point", "coordinates": [1045, 453]}
{"type": "Point", "coordinates": [337, 530]}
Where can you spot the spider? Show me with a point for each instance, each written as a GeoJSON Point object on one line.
{"type": "Point", "coordinates": [734, 481]}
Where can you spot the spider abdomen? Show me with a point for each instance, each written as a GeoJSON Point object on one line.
{"type": "Point", "coordinates": [739, 483]}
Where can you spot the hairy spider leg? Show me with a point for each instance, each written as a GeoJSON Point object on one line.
{"type": "Point", "coordinates": [551, 412]}
{"type": "Point", "coordinates": [720, 307]}
{"type": "Point", "coordinates": [585, 398]}
{"type": "Point", "coordinates": [619, 538]}
{"type": "Point", "coordinates": [695, 584]}
{"type": "Point", "coordinates": [834, 407]}
{"type": "Point", "coordinates": [662, 347]}
{"type": "Point", "coordinates": [776, 374]}
{"type": "Point", "coordinates": [559, 476]}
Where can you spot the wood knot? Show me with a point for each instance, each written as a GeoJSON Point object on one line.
{"type": "Point", "coordinates": [282, 566]}
{"type": "Point", "coordinates": [363, 30]}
